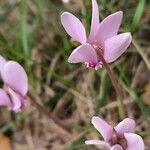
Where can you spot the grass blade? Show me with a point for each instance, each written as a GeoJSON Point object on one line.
{"type": "Point", "coordinates": [138, 14]}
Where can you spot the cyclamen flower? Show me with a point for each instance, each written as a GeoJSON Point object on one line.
{"type": "Point", "coordinates": [102, 35]}
{"type": "Point", "coordinates": [13, 94]}
{"type": "Point", "coordinates": [121, 137]}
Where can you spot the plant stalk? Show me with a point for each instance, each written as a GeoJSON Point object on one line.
{"type": "Point", "coordinates": [48, 114]}
{"type": "Point", "coordinates": [113, 80]}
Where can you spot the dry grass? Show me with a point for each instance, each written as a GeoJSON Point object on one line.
{"type": "Point", "coordinates": [72, 94]}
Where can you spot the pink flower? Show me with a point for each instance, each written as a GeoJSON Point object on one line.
{"type": "Point", "coordinates": [121, 137]}
{"type": "Point", "coordinates": [102, 35]}
{"type": "Point", "coordinates": [13, 94]}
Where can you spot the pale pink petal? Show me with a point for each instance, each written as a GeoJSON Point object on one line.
{"type": "Point", "coordinates": [109, 27]}
{"type": "Point", "coordinates": [23, 101]}
{"type": "Point", "coordinates": [116, 147]}
{"type": "Point", "coordinates": [97, 142]}
{"type": "Point", "coordinates": [15, 77]}
{"type": "Point", "coordinates": [134, 141]}
{"type": "Point", "coordinates": [16, 100]}
{"type": "Point", "coordinates": [2, 63]}
{"type": "Point", "coordinates": [66, 1]}
{"type": "Point", "coordinates": [116, 46]}
{"type": "Point", "coordinates": [73, 27]}
{"type": "Point", "coordinates": [95, 21]}
{"type": "Point", "coordinates": [4, 99]}
{"type": "Point", "coordinates": [103, 127]}
{"type": "Point", "coordinates": [83, 53]}
{"type": "Point", "coordinates": [125, 126]}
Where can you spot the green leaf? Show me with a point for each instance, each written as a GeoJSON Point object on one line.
{"type": "Point", "coordinates": [138, 14]}
{"type": "Point", "coordinates": [105, 90]}
{"type": "Point", "coordinates": [23, 25]}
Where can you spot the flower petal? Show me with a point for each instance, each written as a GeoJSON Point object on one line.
{"type": "Point", "coordinates": [2, 63]}
{"type": "Point", "coordinates": [116, 147]}
{"type": "Point", "coordinates": [83, 53]}
{"type": "Point", "coordinates": [73, 27]}
{"type": "Point", "coordinates": [134, 141]}
{"type": "Point", "coordinates": [16, 100]}
{"type": "Point", "coordinates": [116, 46]}
{"type": "Point", "coordinates": [103, 127]}
{"type": "Point", "coordinates": [15, 77]}
{"type": "Point", "coordinates": [4, 99]}
{"type": "Point", "coordinates": [125, 126]}
{"type": "Point", "coordinates": [95, 21]}
{"type": "Point", "coordinates": [97, 142]}
{"type": "Point", "coordinates": [109, 27]}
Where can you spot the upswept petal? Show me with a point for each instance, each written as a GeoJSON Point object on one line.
{"type": "Point", "coordinates": [83, 53]}
{"type": "Point", "coordinates": [4, 99]}
{"type": "Point", "coordinates": [2, 63]}
{"type": "Point", "coordinates": [109, 27]}
{"type": "Point", "coordinates": [103, 127]}
{"type": "Point", "coordinates": [116, 147]}
{"type": "Point", "coordinates": [98, 142]}
{"type": "Point", "coordinates": [125, 126]}
{"type": "Point", "coordinates": [15, 77]}
{"type": "Point", "coordinates": [116, 46]}
{"type": "Point", "coordinates": [134, 141]}
{"type": "Point", "coordinates": [16, 100]}
{"type": "Point", "coordinates": [73, 27]}
{"type": "Point", "coordinates": [95, 21]}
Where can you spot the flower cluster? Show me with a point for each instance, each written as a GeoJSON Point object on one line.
{"type": "Point", "coordinates": [104, 41]}
{"type": "Point", "coordinates": [13, 93]}
{"type": "Point", "coordinates": [103, 44]}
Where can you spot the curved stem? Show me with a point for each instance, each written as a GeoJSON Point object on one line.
{"type": "Point", "coordinates": [47, 113]}
{"type": "Point", "coordinates": [112, 78]}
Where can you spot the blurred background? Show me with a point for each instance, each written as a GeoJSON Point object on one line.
{"type": "Point", "coordinates": [31, 34]}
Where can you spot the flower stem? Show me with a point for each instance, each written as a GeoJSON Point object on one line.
{"type": "Point", "coordinates": [114, 82]}
{"type": "Point", "coordinates": [48, 114]}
